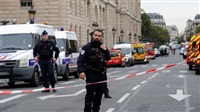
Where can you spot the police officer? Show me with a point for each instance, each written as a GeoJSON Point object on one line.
{"type": "Point", "coordinates": [105, 87]}
{"type": "Point", "coordinates": [91, 67]}
{"type": "Point", "coordinates": [43, 54]}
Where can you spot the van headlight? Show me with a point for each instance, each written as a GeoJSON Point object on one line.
{"type": "Point", "coordinates": [23, 61]}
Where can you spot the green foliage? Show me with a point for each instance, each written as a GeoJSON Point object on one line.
{"type": "Point", "coordinates": [153, 33]}
{"type": "Point", "coordinates": [197, 29]}
{"type": "Point", "coordinates": [146, 24]}
{"type": "Point", "coordinates": [180, 39]}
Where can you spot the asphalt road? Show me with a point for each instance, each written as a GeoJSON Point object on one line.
{"type": "Point", "coordinates": [163, 85]}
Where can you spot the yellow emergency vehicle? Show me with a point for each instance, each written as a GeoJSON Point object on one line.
{"type": "Point", "coordinates": [140, 54]}
{"type": "Point", "coordinates": [192, 51]}
{"type": "Point", "coordinates": [197, 53]}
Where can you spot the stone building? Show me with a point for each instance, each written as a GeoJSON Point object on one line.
{"type": "Point", "coordinates": [157, 20]}
{"type": "Point", "coordinates": [79, 15]}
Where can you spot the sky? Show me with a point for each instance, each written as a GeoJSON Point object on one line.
{"type": "Point", "coordinates": [175, 12]}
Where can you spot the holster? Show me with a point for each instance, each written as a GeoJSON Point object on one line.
{"type": "Point", "coordinates": [96, 69]}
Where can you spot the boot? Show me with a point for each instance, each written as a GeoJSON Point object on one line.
{"type": "Point", "coordinates": [107, 96]}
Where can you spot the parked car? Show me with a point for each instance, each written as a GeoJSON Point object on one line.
{"type": "Point", "coordinates": [185, 53]}
{"type": "Point", "coordinates": [182, 50]}
{"type": "Point", "coordinates": [117, 59]}
{"type": "Point", "coordinates": [157, 52]}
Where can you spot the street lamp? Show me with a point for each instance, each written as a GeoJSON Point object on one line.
{"type": "Point", "coordinates": [122, 34]}
{"type": "Point", "coordinates": [113, 31]}
{"type": "Point", "coordinates": [135, 35]}
{"type": "Point", "coordinates": [31, 13]}
{"type": "Point", "coordinates": [95, 25]}
{"type": "Point", "coordinates": [130, 35]}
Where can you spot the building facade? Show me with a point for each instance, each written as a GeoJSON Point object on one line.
{"type": "Point", "coordinates": [79, 16]}
{"type": "Point", "coordinates": [157, 19]}
{"type": "Point", "coordinates": [173, 33]}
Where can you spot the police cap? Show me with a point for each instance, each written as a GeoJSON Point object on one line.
{"type": "Point", "coordinates": [44, 32]}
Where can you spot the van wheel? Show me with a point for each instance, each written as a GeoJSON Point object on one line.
{"type": "Point", "coordinates": [35, 80]}
{"type": "Point", "coordinates": [55, 70]}
{"type": "Point", "coordinates": [66, 74]}
{"type": "Point", "coordinates": [12, 83]}
{"type": "Point", "coordinates": [76, 74]}
{"type": "Point", "coordinates": [197, 71]}
{"type": "Point", "coordinates": [190, 67]}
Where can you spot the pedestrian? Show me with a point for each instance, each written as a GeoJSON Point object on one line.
{"type": "Point", "coordinates": [91, 67]}
{"type": "Point", "coordinates": [43, 54]}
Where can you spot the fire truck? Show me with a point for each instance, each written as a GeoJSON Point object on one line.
{"type": "Point", "coordinates": [197, 59]}
{"type": "Point", "coordinates": [150, 50]}
{"type": "Point", "coordinates": [192, 49]}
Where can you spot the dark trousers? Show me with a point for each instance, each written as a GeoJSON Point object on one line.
{"type": "Point", "coordinates": [93, 97]}
{"type": "Point", "coordinates": [105, 86]}
{"type": "Point", "coordinates": [47, 73]}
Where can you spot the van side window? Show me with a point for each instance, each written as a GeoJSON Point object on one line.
{"type": "Point", "coordinates": [52, 38]}
{"type": "Point", "coordinates": [37, 39]}
{"type": "Point", "coordinates": [73, 45]}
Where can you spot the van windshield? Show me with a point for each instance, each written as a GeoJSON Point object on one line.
{"type": "Point", "coordinates": [16, 41]}
{"type": "Point", "coordinates": [125, 51]}
{"type": "Point", "coordinates": [62, 44]}
{"type": "Point", "coordinates": [139, 50]}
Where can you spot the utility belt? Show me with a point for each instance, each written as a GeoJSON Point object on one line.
{"type": "Point", "coordinates": [97, 69]}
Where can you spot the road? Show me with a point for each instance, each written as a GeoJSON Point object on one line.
{"type": "Point", "coordinates": [163, 85]}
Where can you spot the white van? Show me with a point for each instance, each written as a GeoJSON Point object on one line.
{"type": "Point", "coordinates": [126, 50]}
{"type": "Point", "coordinates": [16, 52]}
{"type": "Point", "coordinates": [69, 52]}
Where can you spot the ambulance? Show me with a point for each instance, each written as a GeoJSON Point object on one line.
{"type": "Point", "coordinates": [69, 52]}
{"type": "Point", "coordinates": [150, 50]}
{"type": "Point", "coordinates": [140, 54]}
{"type": "Point", "coordinates": [16, 52]}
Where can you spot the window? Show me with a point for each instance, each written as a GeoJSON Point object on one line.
{"type": "Point", "coordinates": [26, 3]}
{"type": "Point", "coordinates": [73, 45]}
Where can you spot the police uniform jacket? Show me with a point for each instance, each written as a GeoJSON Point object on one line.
{"type": "Point", "coordinates": [92, 58]}
{"type": "Point", "coordinates": [45, 50]}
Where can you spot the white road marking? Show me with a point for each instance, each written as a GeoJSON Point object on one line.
{"type": "Point", "coordinates": [69, 82]}
{"type": "Point", "coordinates": [58, 96]}
{"type": "Point", "coordinates": [123, 98]}
{"type": "Point", "coordinates": [166, 71]}
{"type": "Point", "coordinates": [144, 66]}
{"type": "Point", "coordinates": [183, 71]}
{"type": "Point", "coordinates": [12, 98]}
{"type": "Point", "coordinates": [154, 65]}
{"type": "Point", "coordinates": [136, 87]}
{"type": "Point", "coordinates": [110, 110]}
{"type": "Point", "coordinates": [132, 71]}
{"type": "Point", "coordinates": [143, 82]}
{"type": "Point", "coordinates": [113, 72]}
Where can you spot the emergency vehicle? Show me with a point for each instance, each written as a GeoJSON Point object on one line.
{"type": "Point", "coordinates": [127, 51]}
{"type": "Point", "coordinates": [16, 52]}
{"type": "Point", "coordinates": [140, 54]}
{"type": "Point", "coordinates": [117, 58]}
{"type": "Point", "coordinates": [150, 50]}
{"type": "Point", "coordinates": [197, 60]}
{"type": "Point", "coordinates": [69, 52]}
{"type": "Point", "coordinates": [192, 49]}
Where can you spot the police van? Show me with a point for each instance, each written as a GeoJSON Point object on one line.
{"type": "Point", "coordinates": [127, 51]}
{"type": "Point", "coordinates": [69, 52]}
{"type": "Point", "coordinates": [16, 52]}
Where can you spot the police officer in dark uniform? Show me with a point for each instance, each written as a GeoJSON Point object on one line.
{"type": "Point", "coordinates": [43, 54]}
{"type": "Point", "coordinates": [91, 67]}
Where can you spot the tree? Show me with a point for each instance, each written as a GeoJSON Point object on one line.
{"type": "Point", "coordinates": [180, 39]}
{"type": "Point", "coordinates": [197, 29]}
{"type": "Point", "coordinates": [146, 24]}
